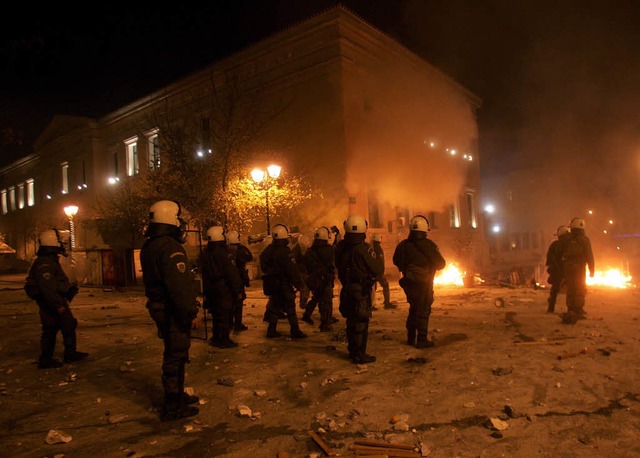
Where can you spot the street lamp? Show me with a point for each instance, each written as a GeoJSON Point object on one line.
{"type": "Point", "coordinates": [71, 211]}
{"type": "Point", "coordinates": [266, 180]}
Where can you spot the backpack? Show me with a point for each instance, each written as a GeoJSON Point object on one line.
{"type": "Point", "coordinates": [31, 288]}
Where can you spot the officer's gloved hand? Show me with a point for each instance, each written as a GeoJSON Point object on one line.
{"type": "Point", "coordinates": [73, 290]}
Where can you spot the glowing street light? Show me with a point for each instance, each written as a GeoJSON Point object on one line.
{"type": "Point", "coordinates": [267, 179]}
{"type": "Point", "coordinates": [71, 211]}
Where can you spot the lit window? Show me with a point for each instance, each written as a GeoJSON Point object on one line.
{"type": "Point", "coordinates": [3, 201]}
{"type": "Point", "coordinates": [153, 150]}
{"type": "Point", "coordinates": [65, 178]}
{"type": "Point", "coordinates": [21, 195]}
{"type": "Point", "coordinates": [31, 196]}
{"type": "Point", "coordinates": [133, 166]}
{"type": "Point", "coordinates": [12, 198]}
{"type": "Point", "coordinates": [471, 210]}
{"type": "Point", "coordinates": [454, 215]}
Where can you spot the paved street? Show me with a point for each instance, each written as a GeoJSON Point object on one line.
{"type": "Point", "coordinates": [574, 388]}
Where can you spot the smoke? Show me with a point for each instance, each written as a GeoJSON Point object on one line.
{"type": "Point", "coordinates": [409, 120]}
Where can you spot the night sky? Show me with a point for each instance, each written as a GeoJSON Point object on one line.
{"type": "Point", "coordinates": [559, 80]}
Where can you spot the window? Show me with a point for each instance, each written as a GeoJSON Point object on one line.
{"type": "Point", "coordinates": [12, 198]}
{"type": "Point", "coordinates": [454, 215]}
{"type": "Point", "coordinates": [65, 178]}
{"type": "Point", "coordinates": [3, 201]}
{"type": "Point", "coordinates": [133, 166]}
{"type": "Point", "coordinates": [31, 196]}
{"type": "Point", "coordinates": [21, 195]}
{"type": "Point", "coordinates": [154, 151]}
{"type": "Point", "coordinates": [206, 135]}
{"type": "Point", "coordinates": [471, 210]}
{"type": "Point", "coordinates": [84, 176]}
{"type": "Point", "coordinates": [374, 211]}
{"type": "Point", "coordinates": [432, 220]}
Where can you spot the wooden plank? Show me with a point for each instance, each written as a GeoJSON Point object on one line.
{"type": "Point", "coordinates": [361, 450]}
{"type": "Point", "coordinates": [372, 443]}
{"type": "Point", "coordinates": [322, 444]}
{"type": "Point", "coordinates": [539, 342]}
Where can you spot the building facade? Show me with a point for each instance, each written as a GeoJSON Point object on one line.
{"type": "Point", "coordinates": [378, 130]}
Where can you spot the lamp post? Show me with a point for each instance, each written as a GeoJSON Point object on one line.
{"type": "Point", "coordinates": [266, 179]}
{"type": "Point", "coordinates": [71, 211]}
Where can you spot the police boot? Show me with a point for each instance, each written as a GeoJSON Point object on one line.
{"type": "Point", "coordinates": [306, 317]}
{"type": "Point", "coordinates": [552, 306]}
{"type": "Point", "coordinates": [225, 340]}
{"type": "Point", "coordinates": [423, 341]}
{"type": "Point", "coordinates": [411, 336]}
{"type": "Point", "coordinates": [71, 356]}
{"type": "Point", "coordinates": [271, 331]}
{"type": "Point", "coordinates": [175, 409]}
{"type": "Point", "coordinates": [215, 335]}
{"type": "Point", "coordinates": [296, 333]}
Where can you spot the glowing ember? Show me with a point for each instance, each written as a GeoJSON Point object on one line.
{"type": "Point", "coordinates": [610, 277]}
{"type": "Point", "coordinates": [450, 275]}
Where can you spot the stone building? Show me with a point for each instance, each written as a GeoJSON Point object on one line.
{"type": "Point", "coordinates": [380, 132]}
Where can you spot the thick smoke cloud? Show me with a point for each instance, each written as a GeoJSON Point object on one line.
{"type": "Point", "coordinates": [403, 115]}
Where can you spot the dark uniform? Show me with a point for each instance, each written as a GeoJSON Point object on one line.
{"type": "Point", "coordinates": [53, 294]}
{"type": "Point", "coordinates": [242, 256]}
{"type": "Point", "coordinates": [555, 270]}
{"type": "Point", "coordinates": [358, 267]}
{"type": "Point", "coordinates": [222, 287]}
{"type": "Point", "coordinates": [382, 279]}
{"type": "Point", "coordinates": [305, 292]}
{"type": "Point", "coordinates": [281, 279]}
{"type": "Point", "coordinates": [319, 261]}
{"type": "Point", "coordinates": [418, 251]}
{"type": "Point", "coordinates": [171, 301]}
{"type": "Point", "coordinates": [576, 255]}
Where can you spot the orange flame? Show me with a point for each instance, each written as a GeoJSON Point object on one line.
{"type": "Point", "coordinates": [450, 275]}
{"type": "Point", "coordinates": [613, 278]}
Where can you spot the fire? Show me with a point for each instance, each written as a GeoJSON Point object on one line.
{"type": "Point", "coordinates": [450, 275]}
{"type": "Point", "coordinates": [610, 277]}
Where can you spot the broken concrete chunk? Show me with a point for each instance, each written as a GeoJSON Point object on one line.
{"type": "Point", "coordinates": [55, 436]}
{"type": "Point", "coordinates": [497, 424]}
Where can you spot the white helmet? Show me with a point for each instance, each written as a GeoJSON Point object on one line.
{"type": "Point", "coordinates": [355, 224]}
{"type": "Point", "coordinates": [376, 237]}
{"type": "Point", "coordinates": [233, 237]}
{"type": "Point", "coordinates": [419, 223]}
{"type": "Point", "coordinates": [165, 212]}
{"type": "Point", "coordinates": [321, 233]}
{"type": "Point", "coordinates": [215, 234]}
{"type": "Point", "coordinates": [50, 237]}
{"type": "Point", "coordinates": [279, 232]}
{"type": "Point", "coordinates": [577, 223]}
{"type": "Point", "coordinates": [564, 229]}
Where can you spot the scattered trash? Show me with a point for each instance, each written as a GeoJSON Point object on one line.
{"type": "Point", "coordinates": [226, 381]}
{"type": "Point", "coordinates": [417, 359]}
{"type": "Point", "coordinates": [499, 371]}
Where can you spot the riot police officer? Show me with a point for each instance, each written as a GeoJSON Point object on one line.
{"type": "Point", "coordinates": [577, 255]}
{"type": "Point", "coordinates": [280, 281]}
{"type": "Point", "coordinates": [221, 284]}
{"type": "Point", "coordinates": [319, 260]}
{"type": "Point", "coordinates": [376, 242]}
{"type": "Point", "coordinates": [554, 266]}
{"type": "Point", "coordinates": [418, 259]}
{"type": "Point", "coordinates": [171, 301]}
{"type": "Point", "coordinates": [242, 256]}
{"type": "Point", "coordinates": [49, 286]}
{"type": "Point", "coordinates": [358, 267]}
